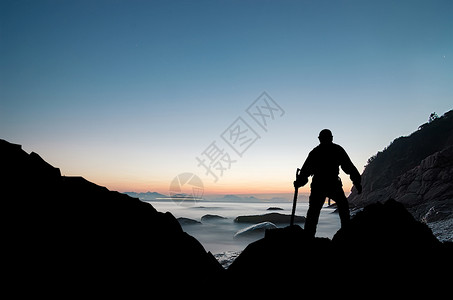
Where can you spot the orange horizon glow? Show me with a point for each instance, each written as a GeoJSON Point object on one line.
{"type": "Point", "coordinates": [209, 189]}
{"type": "Point", "coordinates": [215, 189]}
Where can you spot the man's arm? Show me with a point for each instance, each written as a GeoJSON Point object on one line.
{"type": "Point", "coordinates": [348, 167]}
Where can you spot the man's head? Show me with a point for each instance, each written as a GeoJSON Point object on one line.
{"type": "Point", "coordinates": [325, 136]}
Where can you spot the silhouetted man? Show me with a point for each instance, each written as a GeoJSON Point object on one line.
{"type": "Point", "coordinates": [323, 164]}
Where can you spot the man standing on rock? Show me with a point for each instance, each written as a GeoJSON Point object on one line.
{"type": "Point", "coordinates": [323, 164]}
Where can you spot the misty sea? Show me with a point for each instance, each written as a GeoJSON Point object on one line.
{"type": "Point", "coordinates": [217, 235]}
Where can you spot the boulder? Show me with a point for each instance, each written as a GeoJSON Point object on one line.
{"type": "Point", "coordinates": [253, 230]}
{"type": "Point", "coordinates": [209, 217]}
{"type": "Point", "coordinates": [274, 208]}
{"type": "Point", "coordinates": [385, 227]}
{"type": "Point", "coordinates": [187, 221]}
{"type": "Point", "coordinates": [383, 247]}
{"type": "Point", "coordinates": [286, 257]}
{"type": "Point", "coordinates": [275, 218]}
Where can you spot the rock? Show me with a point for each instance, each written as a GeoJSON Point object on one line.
{"type": "Point", "coordinates": [442, 229]}
{"type": "Point", "coordinates": [255, 229]}
{"type": "Point", "coordinates": [275, 218]}
{"type": "Point", "coordinates": [274, 208]}
{"type": "Point", "coordinates": [416, 170]}
{"type": "Point", "coordinates": [287, 256]}
{"type": "Point", "coordinates": [69, 233]}
{"type": "Point", "coordinates": [382, 246]}
{"type": "Point", "coordinates": [209, 217]}
{"type": "Point", "coordinates": [436, 214]}
{"type": "Point", "coordinates": [385, 226]}
{"type": "Point", "coordinates": [187, 221]}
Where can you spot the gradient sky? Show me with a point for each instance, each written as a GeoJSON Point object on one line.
{"type": "Point", "coordinates": [129, 93]}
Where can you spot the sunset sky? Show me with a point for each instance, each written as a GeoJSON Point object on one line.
{"type": "Point", "coordinates": [129, 94]}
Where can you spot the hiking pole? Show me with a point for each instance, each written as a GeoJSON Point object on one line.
{"type": "Point", "coordinates": [296, 190]}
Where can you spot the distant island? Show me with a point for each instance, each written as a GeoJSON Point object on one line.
{"type": "Point", "coordinates": [148, 196]}
{"type": "Point", "coordinates": [154, 196]}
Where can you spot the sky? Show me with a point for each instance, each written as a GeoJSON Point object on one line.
{"type": "Point", "coordinates": [132, 94]}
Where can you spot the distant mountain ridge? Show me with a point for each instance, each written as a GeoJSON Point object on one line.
{"type": "Point", "coordinates": [154, 196]}
{"type": "Point", "coordinates": [147, 196]}
{"type": "Point", "coordinates": [416, 170]}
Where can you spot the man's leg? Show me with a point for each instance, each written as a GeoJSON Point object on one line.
{"type": "Point", "coordinates": [343, 207]}
{"type": "Point", "coordinates": [316, 201]}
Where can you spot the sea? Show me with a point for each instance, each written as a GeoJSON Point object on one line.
{"type": "Point", "coordinates": [217, 235]}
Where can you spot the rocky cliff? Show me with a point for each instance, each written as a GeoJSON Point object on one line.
{"type": "Point", "coordinates": [66, 234]}
{"type": "Point", "coordinates": [416, 170]}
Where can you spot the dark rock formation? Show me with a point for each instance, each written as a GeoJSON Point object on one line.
{"type": "Point", "coordinates": [71, 234]}
{"type": "Point", "coordinates": [209, 217]}
{"type": "Point", "coordinates": [188, 221]}
{"type": "Point", "coordinates": [416, 170]}
{"type": "Point", "coordinates": [383, 248]}
{"type": "Point", "coordinates": [285, 257]}
{"type": "Point", "coordinates": [274, 208]}
{"type": "Point", "coordinates": [424, 187]}
{"type": "Point", "coordinates": [383, 227]}
{"type": "Point", "coordinates": [275, 218]}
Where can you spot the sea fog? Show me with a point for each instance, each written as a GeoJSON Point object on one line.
{"type": "Point", "coordinates": [218, 235]}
